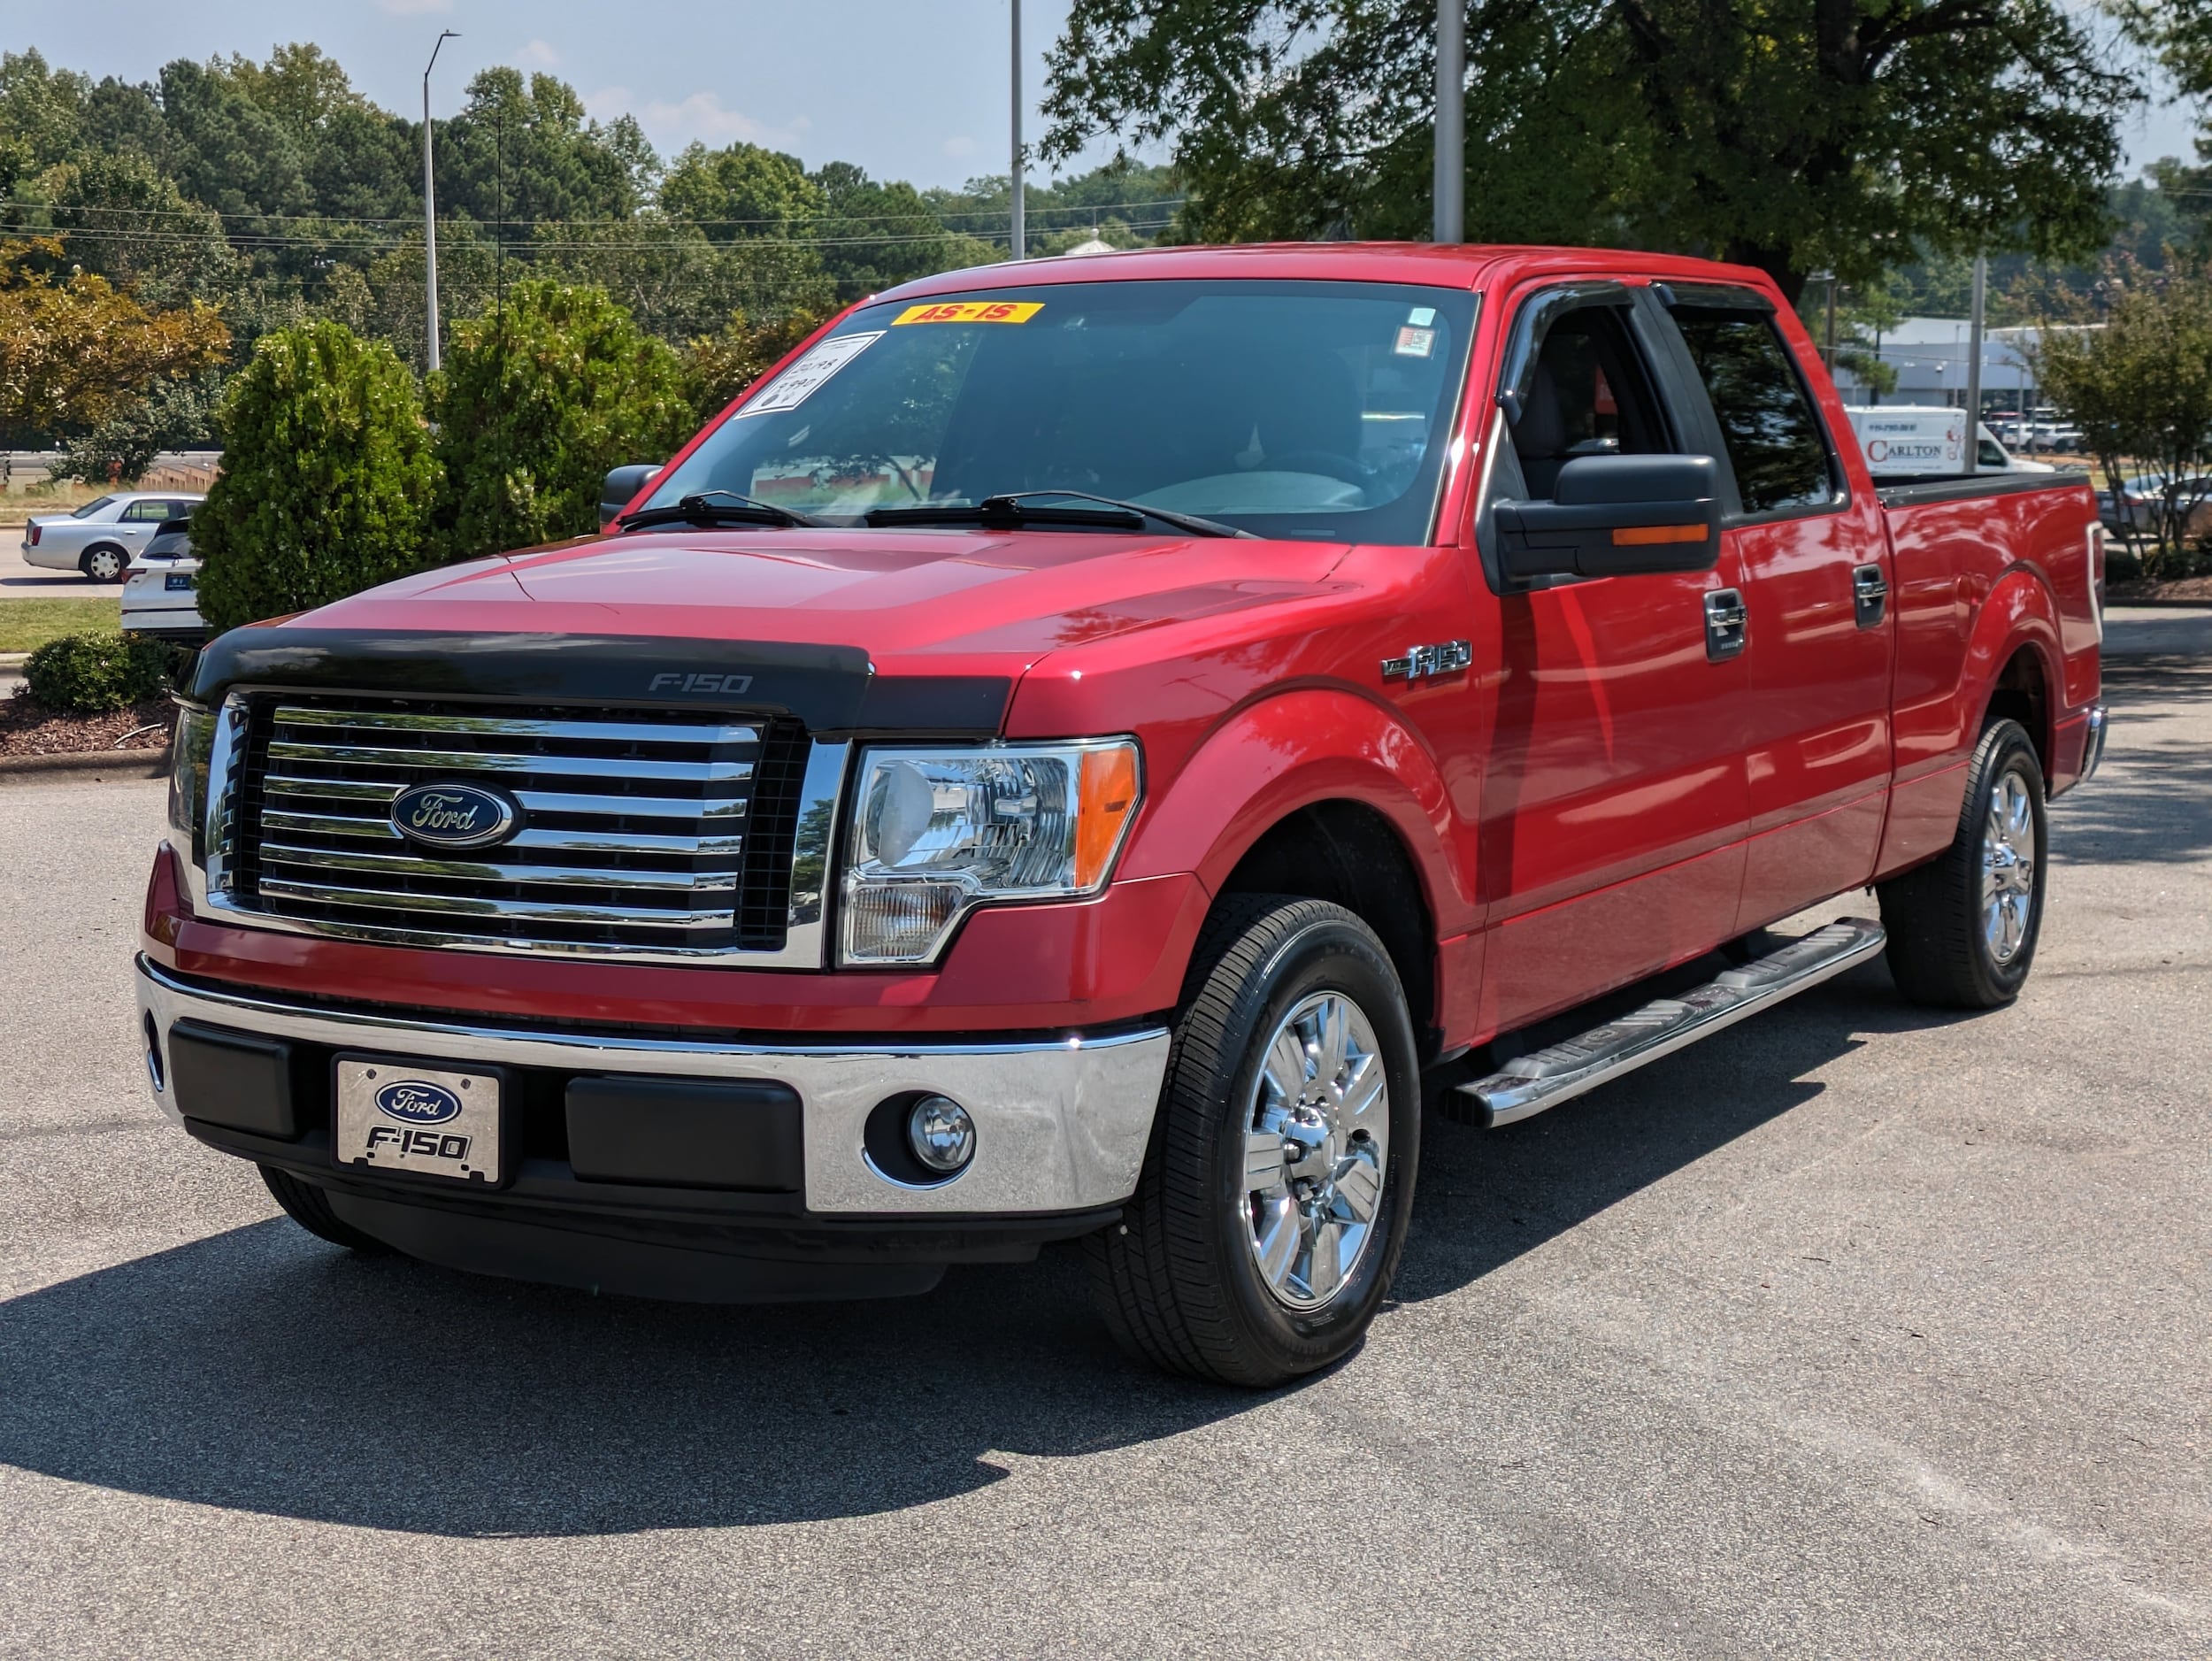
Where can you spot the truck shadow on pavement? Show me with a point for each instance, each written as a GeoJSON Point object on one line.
{"type": "Point", "coordinates": [261, 1370]}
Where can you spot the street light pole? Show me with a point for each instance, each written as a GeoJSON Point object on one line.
{"type": "Point", "coordinates": [1451, 116]}
{"type": "Point", "coordinates": [1019, 242]}
{"type": "Point", "coordinates": [430, 204]}
{"type": "Point", "coordinates": [1974, 366]}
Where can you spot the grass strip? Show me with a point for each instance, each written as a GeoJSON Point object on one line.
{"type": "Point", "coordinates": [27, 625]}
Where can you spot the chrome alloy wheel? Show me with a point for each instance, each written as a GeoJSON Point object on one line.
{"type": "Point", "coordinates": [1316, 1144]}
{"type": "Point", "coordinates": [2008, 867]}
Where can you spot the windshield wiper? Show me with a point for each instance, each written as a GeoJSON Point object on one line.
{"type": "Point", "coordinates": [714, 507]}
{"type": "Point", "coordinates": [1008, 508]}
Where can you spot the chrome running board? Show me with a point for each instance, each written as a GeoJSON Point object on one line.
{"type": "Point", "coordinates": [1547, 1077]}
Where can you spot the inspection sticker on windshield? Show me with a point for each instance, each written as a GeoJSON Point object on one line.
{"type": "Point", "coordinates": [1415, 342]}
{"type": "Point", "coordinates": [970, 312]}
{"type": "Point", "coordinates": [808, 376]}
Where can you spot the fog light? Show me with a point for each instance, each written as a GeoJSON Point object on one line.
{"type": "Point", "coordinates": [941, 1134]}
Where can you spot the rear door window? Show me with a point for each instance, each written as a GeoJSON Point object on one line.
{"type": "Point", "coordinates": [1775, 439]}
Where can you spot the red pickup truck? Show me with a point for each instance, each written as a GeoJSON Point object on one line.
{"type": "Point", "coordinates": [1083, 749]}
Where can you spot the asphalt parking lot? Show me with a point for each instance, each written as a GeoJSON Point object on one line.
{"type": "Point", "coordinates": [1859, 1331]}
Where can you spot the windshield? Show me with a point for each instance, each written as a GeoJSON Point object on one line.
{"type": "Point", "coordinates": [92, 507]}
{"type": "Point", "coordinates": [1304, 410]}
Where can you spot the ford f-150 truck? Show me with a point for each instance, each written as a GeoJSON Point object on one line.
{"type": "Point", "coordinates": [1079, 751]}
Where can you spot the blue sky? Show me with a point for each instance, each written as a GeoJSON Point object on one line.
{"type": "Point", "coordinates": [909, 91]}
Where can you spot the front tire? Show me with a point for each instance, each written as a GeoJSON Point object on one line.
{"type": "Point", "coordinates": [309, 1207]}
{"type": "Point", "coordinates": [1272, 1211]}
{"type": "Point", "coordinates": [1962, 928]}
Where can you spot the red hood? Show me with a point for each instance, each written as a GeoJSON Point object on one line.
{"type": "Point", "coordinates": [997, 601]}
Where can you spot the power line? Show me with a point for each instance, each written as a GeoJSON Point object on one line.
{"type": "Point", "coordinates": [542, 244]}
{"type": "Point", "coordinates": [927, 217]}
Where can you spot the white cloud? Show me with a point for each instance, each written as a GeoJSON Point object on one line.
{"type": "Point", "coordinates": [538, 55]}
{"type": "Point", "coordinates": [701, 116]}
{"type": "Point", "coordinates": [959, 147]}
{"type": "Point", "coordinates": [414, 8]}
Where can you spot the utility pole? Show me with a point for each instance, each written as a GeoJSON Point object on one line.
{"type": "Point", "coordinates": [1451, 116]}
{"type": "Point", "coordinates": [1832, 324]}
{"type": "Point", "coordinates": [1974, 366]}
{"type": "Point", "coordinates": [430, 204]}
{"type": "Point", "coordinates": [1020, 241]}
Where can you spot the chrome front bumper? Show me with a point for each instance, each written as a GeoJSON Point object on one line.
{"type": "Point", "coordinates": [1060, 1125]}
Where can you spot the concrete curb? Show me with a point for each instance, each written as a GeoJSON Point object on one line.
{"type": "Point", "coordinates": [92, 766]}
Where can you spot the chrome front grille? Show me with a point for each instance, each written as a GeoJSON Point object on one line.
{"type": "Point", "coordinates": [659, 833]}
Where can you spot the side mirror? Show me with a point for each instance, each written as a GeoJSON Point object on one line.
{"type": "Point", "coordinates": [1615, 516]}
{"type": "Point", "coordinates": [621, 486]}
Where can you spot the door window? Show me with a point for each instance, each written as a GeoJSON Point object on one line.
{"type": "Point", "coordinates": [1773, 435]}
{"type": "Point", "coordinates": [1587, 395]}
{"type": "Point", "coordinates": [146, 513]}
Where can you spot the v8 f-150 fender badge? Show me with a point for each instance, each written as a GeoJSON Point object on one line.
{"type": "Point", "coordinates": [453, 815]}
{"type": "Point", "coordinates": [1420, 662]}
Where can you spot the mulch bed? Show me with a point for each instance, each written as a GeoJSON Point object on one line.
{"type": "Point", "coordinates": [32, 730]}
{"type": "Point", "coordinates": [2194, 588]}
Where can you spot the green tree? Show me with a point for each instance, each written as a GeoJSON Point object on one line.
{"type": "Point", "coordinates": [524, 151]}
{"type": "Point", "coordinates": [2141, 388]}
{"type": "Point", "coordinates": [1124, 204]}
{"type": "Point", "coordinates": [328, 483]}
{"type": "Point", "coordinates": [742, 190]}
{"type": "Point", "coordinates": [674, 282]}
{"type": "Point", "coordinates": [876, 235]}
{"type": "Point", "coordinates": [1787, 135]}
{"type": "Point", "coordinates": [538, 400]}
{"type": "Point", "coordinates": [123, 219]}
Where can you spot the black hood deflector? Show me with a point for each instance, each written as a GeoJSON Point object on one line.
{"type": "Point", "coordinates": [830, 688]}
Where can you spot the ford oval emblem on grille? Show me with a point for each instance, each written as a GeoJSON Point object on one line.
{"type": "Point", "coordinates": [453, 815]}
{"type": "Point", "coordinates": [417, 1102]}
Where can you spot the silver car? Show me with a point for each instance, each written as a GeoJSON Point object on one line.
{"type": "Point", "coordinates": [102, 537]}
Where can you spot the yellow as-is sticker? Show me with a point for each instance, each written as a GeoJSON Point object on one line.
{"type": "Point", "coordinates": [970, 312]}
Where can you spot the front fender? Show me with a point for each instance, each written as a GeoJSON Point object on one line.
{"type": "Point", "coordinates": [1287, 752]}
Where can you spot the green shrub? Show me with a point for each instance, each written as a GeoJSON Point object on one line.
{"type": "Point", "coordinates": [91, 674]}
{"type": "Point", "coordinates": [538, 399]}
{"type": "Point", "coordinates": [329, 482]}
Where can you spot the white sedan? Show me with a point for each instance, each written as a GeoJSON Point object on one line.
{"type": "Point", "coordinates": [161, 597]}
{"type": "Point", "coordinates": [102, 537]}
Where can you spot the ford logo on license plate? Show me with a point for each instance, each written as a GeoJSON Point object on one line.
{"type": "Point", "coordinates": [453, 815]}
{"type": "Point", "coordinates": [418, 1101]}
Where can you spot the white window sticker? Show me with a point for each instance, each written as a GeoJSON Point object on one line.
{"type": "Point", "coordinates": [1415, 342]}
{"type": "Point", "coordinates": [810, 374]}
{"type": "Point", "coordinates": [1421, 316]}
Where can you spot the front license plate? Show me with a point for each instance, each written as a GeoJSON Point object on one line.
{"type": "Point", "coordinates": [431, 1122]}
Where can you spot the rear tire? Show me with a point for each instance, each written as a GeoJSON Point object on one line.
{"type": "Point", "coordinates": [1962, 928]}
{"type": "Point", "coordinates": [1271, 1211]}
{"type": "Point", "coordinates": [104, 563]}
{"type": "Point", "coordinates": [309, 1207]}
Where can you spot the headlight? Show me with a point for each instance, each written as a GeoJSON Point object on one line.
{"type": "Point", "coordinates": [194, 744]}
{"type": "Point", "coordinates": [938, 832]}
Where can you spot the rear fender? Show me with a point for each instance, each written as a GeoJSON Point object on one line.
{"type": "Point", "coordinates": [2020, 611]}
{"type": "Point", "coordinates": [1283, 753]}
